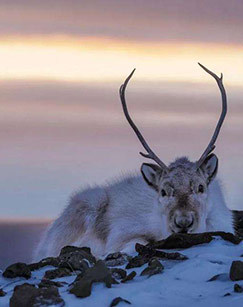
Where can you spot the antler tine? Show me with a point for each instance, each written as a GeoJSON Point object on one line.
{"type": "Point", "coordinates": [151, 154]}
{"type": "Point", "coordinates": [211, 144]}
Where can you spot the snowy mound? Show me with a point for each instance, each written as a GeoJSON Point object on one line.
{"type": "Point", "coordinates": [183, 270]}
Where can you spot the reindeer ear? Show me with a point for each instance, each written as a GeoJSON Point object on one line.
{"type": "Point", "coordinates": [210, 167]}
{"type": "Point", "coordinates": [150, 174]}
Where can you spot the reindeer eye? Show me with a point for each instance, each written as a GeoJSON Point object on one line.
{"type": "Point", "coordinates": [163, 193]}
{"type": "Point", "coordinates": [200, 188]}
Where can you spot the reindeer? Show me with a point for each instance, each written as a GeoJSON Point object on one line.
{"type": "Point", "coordinates": [184, 197]}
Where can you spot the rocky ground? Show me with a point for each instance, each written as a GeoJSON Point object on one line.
{"type": "Point", "coordinates": [183, 270]}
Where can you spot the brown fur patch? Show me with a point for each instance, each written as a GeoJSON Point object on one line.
{"type": "Point", "coordinates": [183, 201]}
{"type": "Point", "coordinates": [73, 221]}
{"type": "Point", "coordinates": [101, 223]}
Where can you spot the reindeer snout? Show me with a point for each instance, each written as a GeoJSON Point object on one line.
{"type": "Point", "coordinates": [184, 222]}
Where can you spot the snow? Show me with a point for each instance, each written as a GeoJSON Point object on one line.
{"type": "Point", "coordinates": [182, 283]}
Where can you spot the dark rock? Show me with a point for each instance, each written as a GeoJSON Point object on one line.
{"type": "Point", "coordinates": [118, 300]}
{"type": "Point", "coordinates": [18, 269]}
{"type": "Point", "coordinates": [2, 293]}
{"type": "Point", "coordinates": [23, 295]}
{"type": "Point", "coordinates": [181, 240]}
{"type": "Point", "coordinates": [238, 288]}
{"type": "Point", "coordinates": [48, 297]}
{"type": "Point", "coordinates": [74, 262]}
{"type": "Point", "coordinates": [118, 273]}
{"type": "Point", "coordinates": [44, 262]}
{"type": "Point", "coordinates": [238, 222]}
{"type": "Point", "coordinates": [137, 261]}
{"type": "Point", "coordinates": [98, 273]}
{"type": "Point", "coordinates": [227, 294]}
{"type": "Point", "coordinates": [57, 273]}
{"type": "Point", "coordinates": [75, 254]}
{"type": "Point", "coordinates": [227, 236]}
{"type": "Point", "coordinates": [28, 295]}
{"type": "Point", "coordinates": [116, 259]}
{"type": "Point", "coordinates": [236, 270]}
{"type": "Point", "coordinates": [149, 252]}
{"type": "Point", "coordinates": [114, 256]}
{"type": "Point", "coordinates": [220, 277]}
{"type": "Point", "coordinates": [71, 257]}
{"type": "Point", "coordinates": [154, 267]}
{"type": "Point", "coordinates": [79, 277]}
{"type": "Point", "coordinates": [46, 283]}
{"type": "Point", "coordinates": [129, 277]}
{"type": "Point", "coordinates": [69, 249]}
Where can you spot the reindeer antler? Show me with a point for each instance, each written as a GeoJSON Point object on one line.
{"type": "Point", "coordinates": [211, 144]}
{"type": "Point", "coordinates": [150, 154]}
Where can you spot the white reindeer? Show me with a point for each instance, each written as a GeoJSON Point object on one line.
{"type": "Point", "coordinates": [182, 197]}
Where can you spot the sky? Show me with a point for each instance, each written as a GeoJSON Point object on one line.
{"type": "Point", "coordinates": [62, 62]}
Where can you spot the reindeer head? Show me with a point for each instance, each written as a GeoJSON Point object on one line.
{"type": "Point", "coordinates": [182, 191]}
{"type": "Point", "coordinates": [182, 186]}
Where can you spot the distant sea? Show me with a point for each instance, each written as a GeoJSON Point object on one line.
{"type": "Point", "coordinates": [18, 241]}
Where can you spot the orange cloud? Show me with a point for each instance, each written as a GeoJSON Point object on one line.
{"type": "Point", "coordinates": [89, 59]}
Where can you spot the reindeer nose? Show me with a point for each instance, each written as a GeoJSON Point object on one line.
{"type": "Point", "coordinates": [184, 223]}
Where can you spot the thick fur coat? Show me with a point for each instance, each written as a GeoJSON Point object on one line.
{"type": "Point", "coordinates": [115, 216]}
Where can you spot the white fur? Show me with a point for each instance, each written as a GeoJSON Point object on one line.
{"type": "Point", "coordinates": [131, 211]}
{"type": "Point", "coordinates": [218, 216]}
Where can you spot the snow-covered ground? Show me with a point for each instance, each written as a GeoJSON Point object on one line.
{"type": "Point", "coordinates": [182, 283]}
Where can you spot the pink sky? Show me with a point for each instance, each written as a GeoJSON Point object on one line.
{"type": "Point", "coordinates": [60, 117]}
